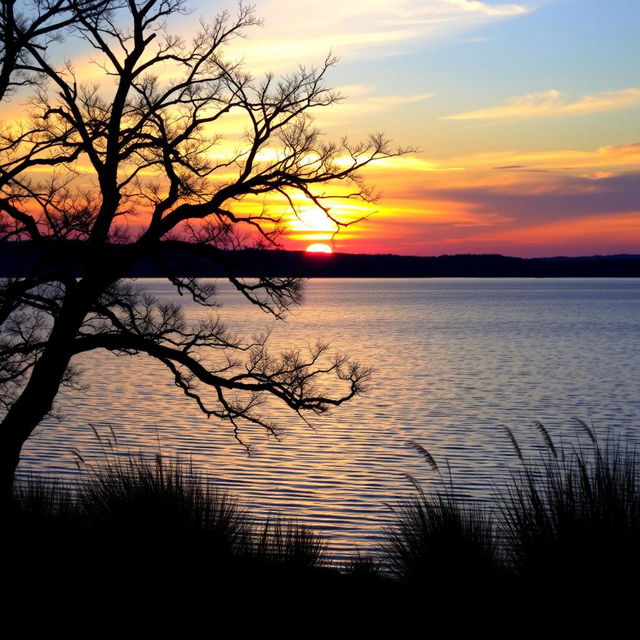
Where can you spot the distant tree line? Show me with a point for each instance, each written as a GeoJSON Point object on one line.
{"type": "Point", "coordinates": [19, 259]}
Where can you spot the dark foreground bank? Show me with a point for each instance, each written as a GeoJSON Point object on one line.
{"type": "Point", "coordinates": [151, 537]}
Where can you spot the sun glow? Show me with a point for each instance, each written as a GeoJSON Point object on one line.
{"type": "Point", "coordinates": [319, 247]}
{"type": "Point", "coordinates": [311, 219]}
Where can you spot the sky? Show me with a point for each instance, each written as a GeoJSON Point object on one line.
{"type": "Point", "coordinates": [524, 118]}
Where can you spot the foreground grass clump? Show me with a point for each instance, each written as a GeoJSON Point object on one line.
{"type": "Point", "coordinates": [288, 542]}
{"type": "Point", "coordinates": [40, 528]}
{"type": "Point", "coordinates": [152, 530]}
{"type": "Point", "coordinates": [438, 541]}
{"type": "Point", "coordinates": [568, 521]}
{"type": "Point", "coordinates": [572, 518]}
{"type": "Point", "coordinates": [161, 505]}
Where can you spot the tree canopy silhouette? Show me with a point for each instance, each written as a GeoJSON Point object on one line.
{"type": "Point", "coordinates": [152, 153]}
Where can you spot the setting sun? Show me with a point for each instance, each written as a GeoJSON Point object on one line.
{"type": "Point", "coordinates": [319, 247]}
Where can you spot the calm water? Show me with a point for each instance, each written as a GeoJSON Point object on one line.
{"type": "Point", "coordinates": [454, 361]}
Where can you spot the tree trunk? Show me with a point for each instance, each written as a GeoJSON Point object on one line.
{"type": "Point", "coordinates": [36, 399]}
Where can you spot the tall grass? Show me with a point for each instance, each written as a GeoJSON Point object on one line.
{"type": "Point", "coordinates": [37, 498]}
{"type": "Point", "coordinates": [160, 504]}
{"type": "Point", "coordinates": [572, 517]}
{"type": "Point", "coordinates": [289, 542]}
{"type": "Point", "coordinates": [566, 522]}
{"type": "Point", "coordinates": [39, 523]}
{"type": "Point", "coordinates": [437, 540]}
{"type": "Point", "coordinates": [149, 533]}
{"type": "Point", "coordinates": [132, 512]}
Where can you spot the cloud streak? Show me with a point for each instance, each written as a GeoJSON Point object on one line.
{"type": "Point", "coordinates": [547, 104]}
{"type": "Point", "coordinates": [565, 160]}
{"type": "Point", "coordinates": [547, 202]}
{"type": "Point", "coordinates": [362, 28]}
{"type": "Point", "coordinates": [361, 101]}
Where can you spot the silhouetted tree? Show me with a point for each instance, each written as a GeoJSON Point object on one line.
{"type": "Point", "coordinates": [39, 24]}
{"type": "Point", "coordinates": [151, 140]}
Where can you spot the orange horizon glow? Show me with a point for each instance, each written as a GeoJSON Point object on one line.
{"type": "Point", "coordinates": [540, 163]}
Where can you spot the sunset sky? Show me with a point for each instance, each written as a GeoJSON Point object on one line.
{"type": "Point", "coordinates": [525, 116]}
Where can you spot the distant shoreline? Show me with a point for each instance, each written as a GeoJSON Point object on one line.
{"type": "Point", "coordinates": [19, 259]}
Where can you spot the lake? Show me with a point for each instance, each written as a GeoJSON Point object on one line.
{"type": "Point", "coordinates": [455, 360]}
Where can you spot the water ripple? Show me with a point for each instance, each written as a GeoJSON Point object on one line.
{"type": "Point", "coordinates": [454, 361]}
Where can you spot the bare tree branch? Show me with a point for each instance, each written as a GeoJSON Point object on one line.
{"type": "Point", "coordinates": [184, 142]}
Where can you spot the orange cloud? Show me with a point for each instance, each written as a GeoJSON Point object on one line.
{"type": "Point", "coordinates": [619, 228]}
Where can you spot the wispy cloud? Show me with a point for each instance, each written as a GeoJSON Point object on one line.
{"type": "Point", "coordinates": [553, 103]}
{"type": "Point", "coordinates": [474, 6]}
{"type": "Point", "coordinates": [362, 100]}
{"type": "Point", "coordinates": [295, 31]}
{"type": "Point", "coordinates": [365, 94]}
{"type": "Point", "coordinates": [510, 170]}
{"type": "Point", "coordinates": [566, 160]}
{"type": "Point", "coordinates": [608, 232]}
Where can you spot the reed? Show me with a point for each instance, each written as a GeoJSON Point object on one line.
{"type": "Point", "coordinates": [39, 522]}
{"type": "Point", "coordinates": [160, 503]}
{"type": "Point", "coordinates": [283, 541]}
{"type": "Point", "coordinates": [437, 539]}
{"type": "Point", "coordinates": [38, 498]}
{"type": "Point", "coordinates": [566, 521]}
{"type": "Point", "coordinates": [572, 517]}
{"type": "Point", "coordinates": [364, 567]}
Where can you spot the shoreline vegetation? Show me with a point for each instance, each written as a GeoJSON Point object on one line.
{"type": "Point", "coordinates": [20, 259]}
{"type": "Point", "coordinates": [151, 534]}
